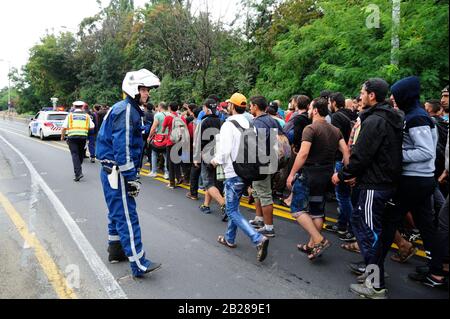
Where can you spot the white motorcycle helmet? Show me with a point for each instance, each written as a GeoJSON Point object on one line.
{"type": "Point", "coordinates": [134, 80]}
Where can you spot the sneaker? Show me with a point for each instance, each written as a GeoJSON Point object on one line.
{"type": "Point", "coordinates": [262, 249]}
{"type": "Point", "coordinates": [357, 268]}
{"type": "Point", "coordinates": [427, 280]}
{"type": "Point", "coordinates": [267, 233]}
{"type": "Point", "coordinates": [347, 237]}
{"type": "Point", "coordinates": [257, 224]}
{"type": "Point", "coordinates": [153, 175]}
{"type": "Point", "coordinates": [78, 178]}
{"type": "Point", "coordinates": [166, 176]}
{"type": "Point", "coordinates": [366, 290]}
{"type": "Point", "coordinates": [116, 253]}
{"type": "Point", "coordinates": [170, 186]}
{"type": "Point", "coordinates": [414, 235]}
{"type": "Point", "coordinates": [190, 196]}
{"type": "Point", "coordinates": [223, 211]}
{"type": "Point", "coordinates": [362, 278]}
{"type": "Point", "coordinates": [333, 228]}
{"type": "Point", "coordinates": [92, 159]}
{"type": "Point", "coordinates": [152, 268]}
{"type": "Point", "coordinates": [205, 209]}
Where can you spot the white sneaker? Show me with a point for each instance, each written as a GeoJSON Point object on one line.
{"type": "Point", "coordinates": [153, 175]}
{"type": "Point", "coordinates": [166, 176]}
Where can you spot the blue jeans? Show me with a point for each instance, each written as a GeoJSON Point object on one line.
{"type": "Point", "coordinates": [234, 187]}
{"type": "Point", "coordinates": [155, 162]}
{"type": "Point", "coordinates": [343, 196]}
{"type": "Point", "coordinates": [300, 196]}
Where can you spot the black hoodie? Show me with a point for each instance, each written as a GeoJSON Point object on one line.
{"type": "Point", "coordinates": [376, 159]}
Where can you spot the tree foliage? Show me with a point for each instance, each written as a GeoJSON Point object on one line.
{"type": "Point", "coordinates": [278, 48]}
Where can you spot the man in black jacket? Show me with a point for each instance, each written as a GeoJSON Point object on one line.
{"type": "Point", "coordinates": [375, 166]}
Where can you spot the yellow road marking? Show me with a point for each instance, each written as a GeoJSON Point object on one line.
{"type": "Point", "coordinates": [53, 273]}
{"type": "Point", "coordinates": [278, 210]}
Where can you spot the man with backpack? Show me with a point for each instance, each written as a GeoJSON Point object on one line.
{"type": "Point", "coordinates": [262, 190]}
{"type": "Point", "coordinates": [177, 131]}
{"type": "Point", "coordinates": [228, 155]}
{"type": "Point", "coordinates": [158, 139]}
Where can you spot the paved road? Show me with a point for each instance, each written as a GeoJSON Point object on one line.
{"type": "Point", "coordinates": [174, 233]}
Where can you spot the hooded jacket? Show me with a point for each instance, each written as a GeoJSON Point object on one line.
{"type": "Point", "coordinates": [119, 140]}
{"type": "Point", "coordinates": [376, 159]}
{"type": "Point", "coordinates": [419, 133]}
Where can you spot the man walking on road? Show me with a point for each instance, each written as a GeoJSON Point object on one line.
{"type": "Point", "coordinates": [119, 149]}
{"type": "Point", "coordinates": [227, 152]}
{"type": "Point", "coordinates": [77, 124]}
{"type": "Point", "coordinates": [375, 168]}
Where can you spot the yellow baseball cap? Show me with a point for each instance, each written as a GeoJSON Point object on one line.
{"type": "Point", "coordinates": [238, 99]}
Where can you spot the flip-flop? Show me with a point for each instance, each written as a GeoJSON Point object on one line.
{"type": "Point", "coordinates": [223, 241]}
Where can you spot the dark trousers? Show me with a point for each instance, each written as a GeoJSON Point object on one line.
{"type": "Point", "coordinates": [92, 139]}
{"type": "Point", "coordinates": [414, 195]}
{"type": "Point", "coordinates": [438, 202]}
{"type": "Point", "coordinates": [442, 234]}
{"type": "Point", "coordinates": [368, 221]}
{"type": "Point", "coordinates": [194, 178]}
{"type": "Point", "coordinates": [146, 151]}
{"type": "Point", "coordinates": [76, 147]}
{"type": "Point", "coordinates": [174, 169]}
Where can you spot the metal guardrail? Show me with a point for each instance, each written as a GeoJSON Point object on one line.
{"type": "Point", "coordinates": [14, 117]}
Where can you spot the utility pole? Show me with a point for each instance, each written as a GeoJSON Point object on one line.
{"type": "Point", "coordinates": [395, 41]}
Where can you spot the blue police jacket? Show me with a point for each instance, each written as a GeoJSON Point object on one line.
{"type": "Point", "coordinates": [119, 141]}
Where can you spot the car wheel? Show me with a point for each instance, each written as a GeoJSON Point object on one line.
{"type": "Point", "coordinates": [30, 133]}
{"type": "Point", "coordinates": [41, 135]}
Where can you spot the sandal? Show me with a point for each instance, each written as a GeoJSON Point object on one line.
{"type": "Point", "coordinates": [402, 257]}
{"type": "Point", "coordinates": [223, 241]}
{"type": "Point", "coordinates": [318, 249]}
{"type": "Point", "coordinates": [304, 249]}
{"type": "Point", "coordinates": [352, 247]}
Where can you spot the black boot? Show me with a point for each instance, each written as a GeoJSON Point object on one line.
{"type": "Point", "coordinates": [116, 253]}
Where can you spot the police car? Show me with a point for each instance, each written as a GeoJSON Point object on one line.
{"type": "Point", "coordinates": [47, 124]}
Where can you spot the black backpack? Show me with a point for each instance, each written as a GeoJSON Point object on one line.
{"type": "Point", "coordinates": [248, 165]}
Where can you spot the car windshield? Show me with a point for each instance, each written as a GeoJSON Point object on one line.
{"type": "Point", "coordinates": [56, 117]}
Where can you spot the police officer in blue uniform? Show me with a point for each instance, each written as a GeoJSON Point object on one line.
{"type": "Point", "coordinates": [119, 149]}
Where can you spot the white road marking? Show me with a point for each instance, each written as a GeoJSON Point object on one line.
{"type": "Point", "coordinates": [104, 276]}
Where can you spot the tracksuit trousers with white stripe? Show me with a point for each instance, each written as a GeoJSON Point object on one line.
{"type": "Point", "coordinates": [123, 224]}
{"type": "Point", "coordinates": [367, 222]}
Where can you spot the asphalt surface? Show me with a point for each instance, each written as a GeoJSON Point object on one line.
{"type": "Point", "coordinates": [174, 231]}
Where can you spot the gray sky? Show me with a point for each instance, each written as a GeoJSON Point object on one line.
{"type": "Point", "coordinates": [24, 22]}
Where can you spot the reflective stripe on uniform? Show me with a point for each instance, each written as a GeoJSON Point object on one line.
{"type": "Point", "coordinates": [135, 256]}
{"type": "Point", "coordinates": [113, 238]}
{"type": "Point", "coordinates": [78, 127]}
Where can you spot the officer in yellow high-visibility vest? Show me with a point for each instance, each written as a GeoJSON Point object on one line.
{"type": "Point", "coordinates": [77, 125]}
